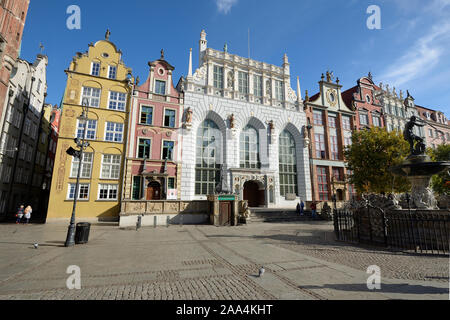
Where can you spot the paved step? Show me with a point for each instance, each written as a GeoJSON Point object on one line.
{"type": "Point", "coordinates": [277, 215]}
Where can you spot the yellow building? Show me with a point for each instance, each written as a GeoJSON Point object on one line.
{"type": "Point", "coordinates": [100, 79]}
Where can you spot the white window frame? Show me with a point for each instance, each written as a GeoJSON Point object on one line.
{"type": "Point", "coordinates": [109, 72]}
{"type": "Point", "coordinates": [110, 165]}
{"type": "Point", "coordinates": [243, 82]}
{"type": "Point", "coordinates": [87, 130]}
{"type": "Point", "coordinates": [218, 82]}
{"type": "Point", "coordinates": [315, 117]}
{"type": "Point", "coordinates": [114, 132]}
{"type": "Point", "coordinates": [92, 68]}
{"type": "Point", "coordinates": [258, 85]}
{"type": "Point", "coordinates": [79, 188]}
{"type": "Point", "coordinates": [73, 174]}
{"type": "Point", "coordinates": [90, 97]}
{"type": "Point", "coordinates": [366, 119]}
{"type": "Point", "coordinates": [109, 187]}
{"type": "Point", "coordinates": [378, 120]}
{"type": "Point", "coordinates": [279, 90]}
{"type": "Point", "coordinates": [117, 101]}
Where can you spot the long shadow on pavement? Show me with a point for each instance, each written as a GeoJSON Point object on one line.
{"type": "Point", "coordinates": [385, 288]}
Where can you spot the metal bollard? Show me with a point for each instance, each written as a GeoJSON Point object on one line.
{"type": "Point", "coordinates": [139, 222]}
{"type": "Point", "coordinates": [181, 220]}
{"type": "Point", "coordinates": [155, 221]}
{"type": "Point", "coordinates": [167, 221]}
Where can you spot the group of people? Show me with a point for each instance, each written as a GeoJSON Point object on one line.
{"type": "Point", "coordinates": [24, 213]}
{"type": "Point", "coordinates": [313, 207]}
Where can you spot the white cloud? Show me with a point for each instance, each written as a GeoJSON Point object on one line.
{"type": "Point", "coordinates": [224, 6]}
{"type": "Point", "coordinates": [427, 52]}
{"type": "Point", "coordinates": [421, 58]}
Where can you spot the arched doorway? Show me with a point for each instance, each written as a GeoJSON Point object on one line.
{"type": "Point", "coordinates": [154, 191]}
{"type": "Point", "coordinates": [253, 194]}
{"type": "Point", "coordinates": [340, 195]}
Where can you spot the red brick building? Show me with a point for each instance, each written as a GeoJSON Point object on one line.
{"type": "Point", "coordinates": [330, 125]}
{"type": "Point", "coordinates": [362, 98]}
{"type": "Point", "coordinates": [13, 14]}
{"type": "Point", "coordinates": [153, 152]}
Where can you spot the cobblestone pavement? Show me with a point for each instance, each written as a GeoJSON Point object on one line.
{"type": "Point", "coordinates": [320, 242]}
{"type": "Point", "coordinates": [302, 261]}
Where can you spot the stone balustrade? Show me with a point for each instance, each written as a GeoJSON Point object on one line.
{"type": "Point", "coordinates": [163, 213]}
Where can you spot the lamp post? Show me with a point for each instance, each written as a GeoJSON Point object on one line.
{"type": "Point", "coordinates": [70, 240]}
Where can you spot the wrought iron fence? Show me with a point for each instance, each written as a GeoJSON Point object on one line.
{"type": "Point", "coordinates": [421, 232]}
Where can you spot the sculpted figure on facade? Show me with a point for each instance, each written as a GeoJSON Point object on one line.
{"type": "Point", "coordinates": [268, 88]}
{"type": "Point", "coordinates": [230, 84]}
{"type": "Point", "coordinates": [232, 121]}
{"type": "Point", "coordinates": [189, 113]}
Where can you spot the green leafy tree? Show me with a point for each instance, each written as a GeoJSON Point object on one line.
{"type": "Point", "coordinates": [441, 182]}
{"type": "Point", "coordinates": [371, 155]}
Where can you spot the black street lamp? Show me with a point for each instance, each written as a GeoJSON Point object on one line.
{"type": "Point", "coordinates": [70, 240]}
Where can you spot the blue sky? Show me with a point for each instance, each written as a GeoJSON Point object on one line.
{"type": "Point", "coordinates": [411, 51]}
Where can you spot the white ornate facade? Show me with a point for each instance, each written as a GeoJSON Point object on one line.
{"type": "Point", "coordinates": [398, 110]}
{"type": "Point", "coordinates": [247, 103]}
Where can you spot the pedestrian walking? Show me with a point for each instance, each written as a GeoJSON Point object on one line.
{"type": "Point", "coordinates": [313, 210]}
{"type": "Point", "coordinates": [299, 210]}
{"type": "Point", "coordinates": [302, 208]}
{"type": "Point", "coordinates": [20, 214]}
{"type": "Point", "coordinates": [28, 212]}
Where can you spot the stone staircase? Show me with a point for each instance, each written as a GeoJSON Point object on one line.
{"type": "Point", "coordinates": [260, 215]}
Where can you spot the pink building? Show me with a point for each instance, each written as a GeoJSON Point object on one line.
{"type": "Point", "coordinates": [437, 129]}
{"type": "Point", "coordinates": [153, 151]}
{"type": "Point", "coordinates": [363, 99]}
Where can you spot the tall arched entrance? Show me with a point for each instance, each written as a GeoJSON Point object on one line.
{"type": "Point", "coordinates": [154, 191]}
{"type": "Point", "coordinates": [254, 194]}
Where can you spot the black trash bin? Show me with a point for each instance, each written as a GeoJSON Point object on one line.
{"type": "Point", "coordinates": [82, 233]}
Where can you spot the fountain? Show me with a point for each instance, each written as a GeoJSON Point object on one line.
{"type": "Point", "coordinates": [419, 169]}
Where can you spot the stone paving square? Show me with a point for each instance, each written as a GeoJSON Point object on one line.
{"type": "Point", "coordinates": [302, 262]}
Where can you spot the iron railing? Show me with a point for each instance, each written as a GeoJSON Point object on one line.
{"type": "Point", "coordinates": [421, 232]}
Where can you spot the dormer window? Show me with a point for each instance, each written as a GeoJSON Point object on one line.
{"type": "Point", "coordinates": [368, 98]}
{"type": "Point", "coordinates": [95, 70]}
{"type": "Point", "coordinates": [160, 87]}
{"type": "Point", "coordinates": [112, 74]}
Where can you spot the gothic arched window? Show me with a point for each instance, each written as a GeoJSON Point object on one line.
{"type": "Point", "coordinates": [249, 148]}
{"type": "Point", "coordinates": [288, 164]}
{"type": "Point", "coordinates": [207, 167]}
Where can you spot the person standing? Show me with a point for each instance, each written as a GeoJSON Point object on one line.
{"type": "Point", "coordinates": [299, 210]}
{"type": "Point", "coordinates": [28, 212]}
{"type": "Point", "coordinates": [19, 214]}
{"type": "Point", "coordinates": [313, 210]}
{"type": "Point", "coordinates": [302, 208]}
